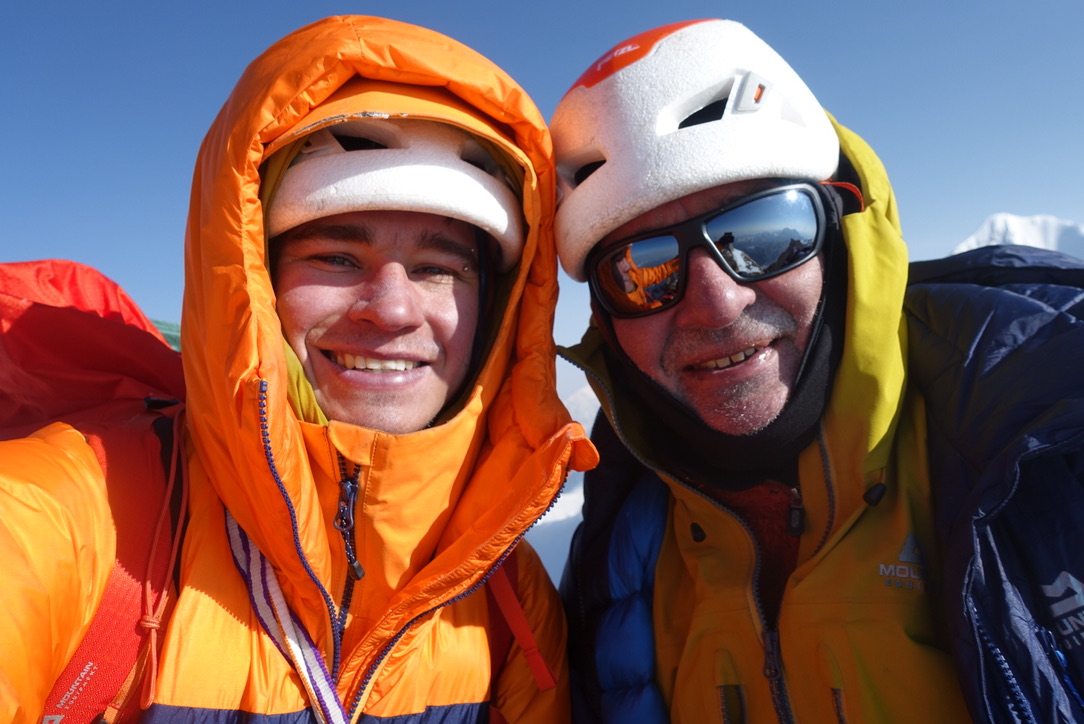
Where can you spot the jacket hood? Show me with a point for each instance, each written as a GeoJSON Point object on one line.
{"type": "Point", "coordinates": [494, 456]}
{"type": "Point", "coordinates": [867, 390]}
{"type": "Point", "coordinates": [867, 398]}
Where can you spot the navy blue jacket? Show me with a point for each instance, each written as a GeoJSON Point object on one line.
{"type": "Point", "coordinates": [997, 348]}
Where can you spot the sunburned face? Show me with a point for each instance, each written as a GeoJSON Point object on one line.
{"type": "Point", "coordinates": [730, 351]}
{"type": "Point", "coordinates": [381, 309]}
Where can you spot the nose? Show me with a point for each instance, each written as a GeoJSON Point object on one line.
{"type": "Point", "coordinates": [389, 299]}
{"type": "Point", "coordinates": [712, 298]}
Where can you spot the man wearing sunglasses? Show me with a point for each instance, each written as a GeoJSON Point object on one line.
{"type": "Point", "coordinates": [808, 505]}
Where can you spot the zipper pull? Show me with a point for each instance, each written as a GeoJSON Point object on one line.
{"type": "Point", "coordinates": [356, 571]}
{"type": "Point", "coordinates": [344, 516]}
{"type": "Point", "coordinates": [796, 513]}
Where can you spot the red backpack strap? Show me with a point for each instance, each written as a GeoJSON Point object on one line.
{"type": "Point", "coordinates": [501, 589]}
{"type": "Point", "coordinates": [499, 633]}
{"type": "Point", "coordinates": [144, 466]}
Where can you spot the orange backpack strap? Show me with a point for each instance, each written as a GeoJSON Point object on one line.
{"type": "Point", "coordinates": [502, 592]}
{"type": "Point", "coordinates": [144, 466]}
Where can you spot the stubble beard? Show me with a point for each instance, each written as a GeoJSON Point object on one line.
{"type": "Point", "coordinates": [747, 406]}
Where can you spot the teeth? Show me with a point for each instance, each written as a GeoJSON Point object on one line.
{"type": "Point", "coordinates": [723, 363]}
{"type": "Point", "coordinates": [358, 362]}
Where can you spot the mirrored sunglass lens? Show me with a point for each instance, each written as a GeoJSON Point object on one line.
{"type": "Point", "coordinates": [766, 235]}
{"type": "Point", "coordinates": [642, 275]}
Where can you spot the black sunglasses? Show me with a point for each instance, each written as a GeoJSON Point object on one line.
{"type": "Point", "coordinates": [755, 238]}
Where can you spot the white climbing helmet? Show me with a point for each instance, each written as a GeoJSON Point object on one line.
{"type": "Point", "coordinates": [673, 111]}
{"type": "Point", "coordinates": [392, 164]}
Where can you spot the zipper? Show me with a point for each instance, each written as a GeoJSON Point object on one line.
{"type": "Point", "coordinates": [370, 673]}
{"type": "Point", "coordinates": [773, 672]}
{"type": "Point", "coordinates": [1014, 697]}
{"type": "Point", "coordinates": [344, 523]}
{"type": "Point", "coordinates": [265, 440]}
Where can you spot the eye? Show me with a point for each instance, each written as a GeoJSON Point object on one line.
{"type": "Point", "coordinates": [450, 271]}
{"type": "Point", "coordinates": [334, 260]}
{"type": "Point", "coordinates": [444, 260]}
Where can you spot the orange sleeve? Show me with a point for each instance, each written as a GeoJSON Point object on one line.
{"type": "Point", "coordinates": [652, 275]}
{"type": "Point", "coordinates": [57, 548]}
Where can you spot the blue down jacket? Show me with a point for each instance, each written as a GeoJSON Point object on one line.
{"type": "Point", "coordinates": [997, 343]}
{"type": "Point", "coordinates": [995, 348]}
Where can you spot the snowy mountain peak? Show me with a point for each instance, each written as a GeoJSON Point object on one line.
{"type": "Point", "coordinates": [1043, 231]}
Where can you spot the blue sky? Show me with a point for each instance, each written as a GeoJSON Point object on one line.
{"type": "Point", "coordinates": [975, 107]}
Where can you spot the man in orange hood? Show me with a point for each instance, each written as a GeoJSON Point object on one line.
{"type": "Point", "coordinates": [371, 420]}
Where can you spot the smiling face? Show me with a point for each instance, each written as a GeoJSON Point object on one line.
{"type": "Point", "coordinates": [381, 309]}
{"type": "Point", "coordinates": [730, 351]}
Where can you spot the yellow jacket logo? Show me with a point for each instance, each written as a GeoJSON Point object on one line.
{"type": "Point", "coordinates": [908, 571]}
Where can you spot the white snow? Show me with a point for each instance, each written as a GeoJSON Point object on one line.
{"type": "Point", "coordinates": [1045, 232]}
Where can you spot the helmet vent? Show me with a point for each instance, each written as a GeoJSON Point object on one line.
{"type": "Point", "coordinates": [586, 170]}
{"type": "Point", "coordinates": [476, 156]}
{"type": "Point", "coordinates": [359, 143]}
{"type": "Point", "coordinates": [711, 112]}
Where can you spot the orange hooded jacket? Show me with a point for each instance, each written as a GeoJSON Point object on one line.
{"type": "Point", "coordinates": [436, 510]}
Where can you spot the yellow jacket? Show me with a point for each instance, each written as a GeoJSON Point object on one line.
{"type": "Point", "coordinates": [859, 636]}
{"type": "Point", "coordinates": [436, 509]}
